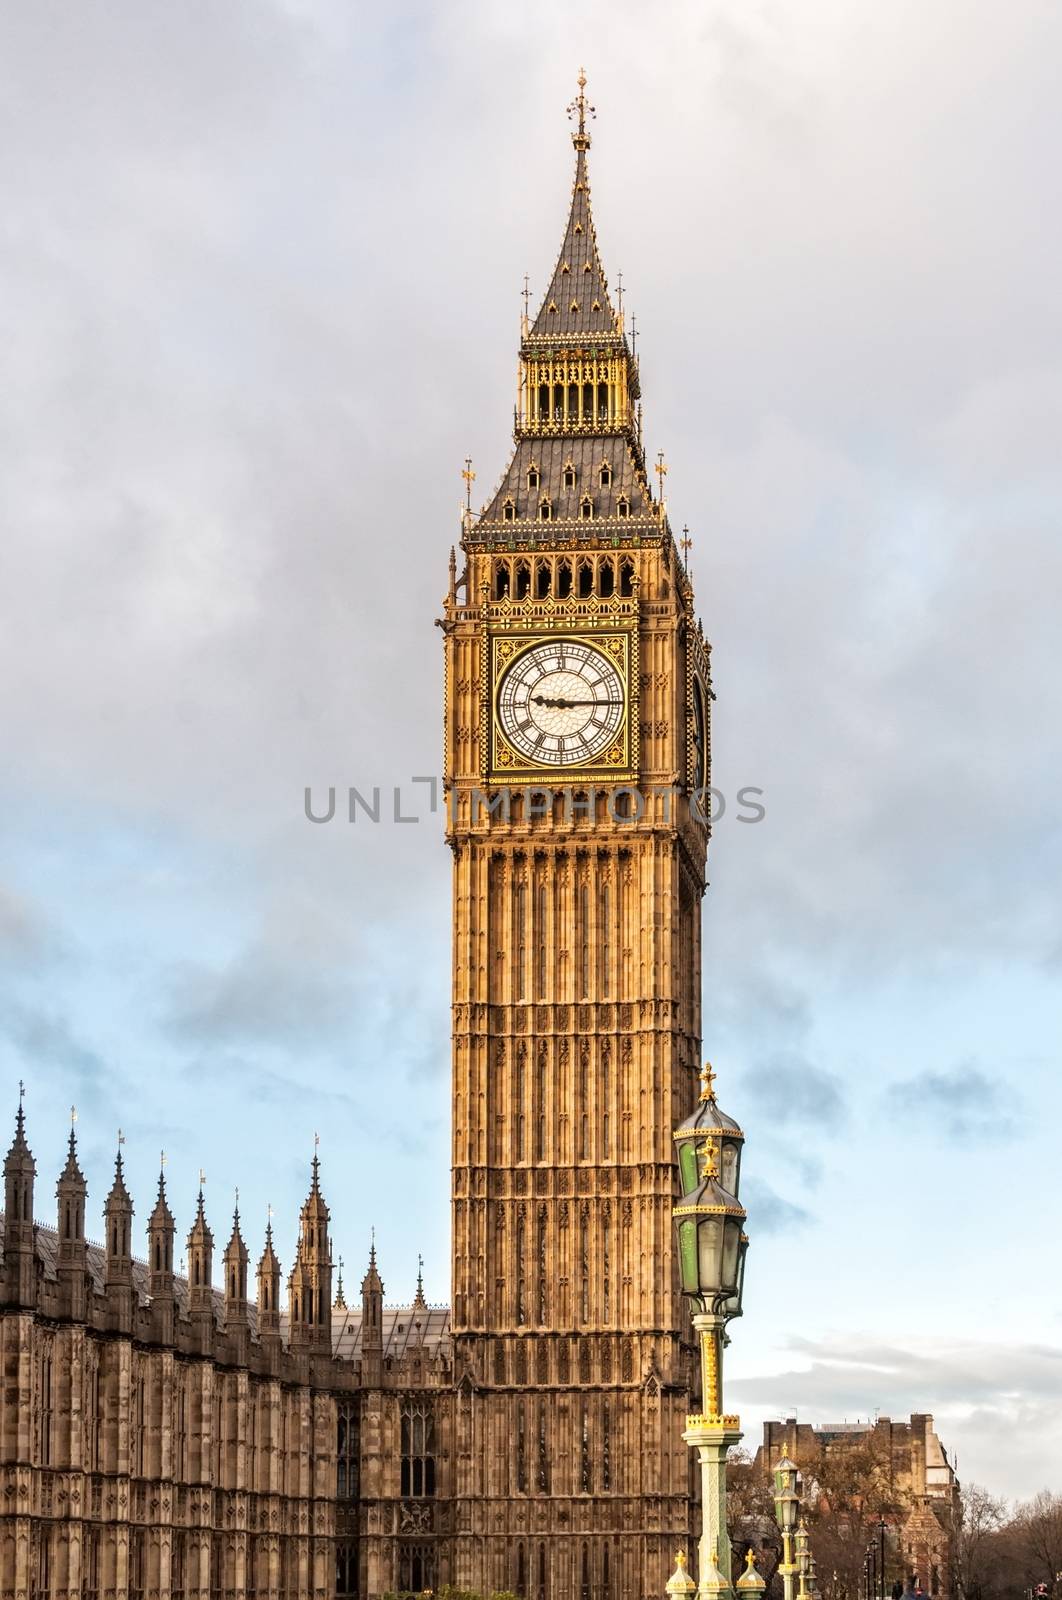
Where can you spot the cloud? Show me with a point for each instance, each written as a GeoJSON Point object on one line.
{"type": "Point", "coordinates": [768, 1213]}
{"type": "Point", "coordinates": [26, 936]}
{"type": "Point", "coordinates": [229, 488]}
{"type": "Point", "coordinates": [997, 1406]}
{"type": "Point", "coordinates": [788, 1089]}
{"type": "Point", "coordinates": [963, 1103]}
{"type": "Point", "coordinates": [258, 998]}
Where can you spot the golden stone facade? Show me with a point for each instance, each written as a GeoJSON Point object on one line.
{"type": "Point", "coordinates": [162, 1440]}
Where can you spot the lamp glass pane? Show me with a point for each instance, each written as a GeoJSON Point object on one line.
{"type": "Point", "coordinates": [688, 1255]}
{"type": "Point", "coordinates": [687, 1157]}
{"type": "Point", "coordinates": [731, 1244]}
{"type": "Point", "coordinates": [709, 1252]}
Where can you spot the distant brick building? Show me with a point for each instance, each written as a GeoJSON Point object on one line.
{"type": "Point", "coordinates": [915, 1476]}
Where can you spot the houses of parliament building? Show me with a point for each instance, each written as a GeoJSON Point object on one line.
{"type": "Point", "coordinates": [161, 1439]}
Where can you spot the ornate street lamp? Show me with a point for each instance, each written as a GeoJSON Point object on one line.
{"type": "Point", "coordinates": [787, 1513]}
{"type": "Point", "coordinates": [881, 1569]}
{"type": "Point", "coordinates": [709, 1222]}
{"type": "Point", "coordinates": [803, 1559]}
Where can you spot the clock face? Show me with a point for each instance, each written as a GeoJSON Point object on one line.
{"type": "Point", "coordinates": [561, 703]}
{"type": "Point", "coordinates": [700, 736]}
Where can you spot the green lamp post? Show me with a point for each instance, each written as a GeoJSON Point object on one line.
{"type": "Point", "coordinates": [787, 1511]}
{"type": "Point", "coordinates": [709, 1221]}
{"type": "Point", "coordinates": [803, 1560]}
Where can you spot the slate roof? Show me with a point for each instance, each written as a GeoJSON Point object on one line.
{"type": "Point", "coordinates": [404, 1327]}
{"type": "Point", "coordinates": [578, 282]}
{"type": "Point", "coordinates": [551, 455]}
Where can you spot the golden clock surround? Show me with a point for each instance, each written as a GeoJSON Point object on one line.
{"type": "Point", "coordinates": [504, 764]}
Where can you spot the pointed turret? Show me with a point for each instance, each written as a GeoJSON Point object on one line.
{"type": "Point", "coordinates": [160, 1230]}
{"type": "Point", "coordinates": [579, 456]}
{"type": "Point", "coordinates": [201, 1262]}
{"type": "Point", "coordinates": [118, 1219]}
{"type": "Point", "coordinates": [310, 1283]}
{"type": "Point", "coordinates": [419, 1303]}
{"type": "Point", "coordinates": [20, 1169]}
{"type": "Point", "coordinates": [339, 1303]}
{"type": "Point", "coordinates": [118, 1229]}
{"type": "Point", "coordinates": [70, 1192]}
{"type": "Point", "coordinates": [372, 1292]}
{"type": "Point", "coordinates": [576, 304]}
{"type": "Point", "coordinates": [268, 1287]}
{"type": "Point", "coordinates": [236, 1274]}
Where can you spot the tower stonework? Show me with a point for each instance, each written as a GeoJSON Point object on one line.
{"type": "Point", "coordinates": [162, 1438]}
{"type": "Point", "coordinates": [577, 736]}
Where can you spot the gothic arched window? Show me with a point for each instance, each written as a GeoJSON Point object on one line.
{"type": "Point", "coordinates": [418, 1451]}
{"type": "Point", "coordinates": [347, 1458]}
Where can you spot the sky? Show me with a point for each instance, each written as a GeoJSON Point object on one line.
{"type": "Point", "coordinates": [260, 273]}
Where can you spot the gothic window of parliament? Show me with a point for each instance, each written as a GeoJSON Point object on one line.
{"type": "Point", "coordinates": [418, 1457]}
{"type": "Point", "coordinates": [416, 1567]}
{"type": "Point", "coordinates": [346, 1454]}
{"type": "Point", "coordinates": [346, 1569]}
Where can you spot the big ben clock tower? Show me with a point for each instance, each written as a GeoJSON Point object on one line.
{"type": "Point", "coordinates": [577, 737]}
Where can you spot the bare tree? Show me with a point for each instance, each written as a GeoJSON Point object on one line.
{"type": "Point", "coordinates": [981, 1517]}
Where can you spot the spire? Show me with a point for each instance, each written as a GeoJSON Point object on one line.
{"type": "Point", "coordinates": [200, 1233]}
{"type": "Point", "coordinates": [372, 1322]}
{"type": "Point", "coordinates": [20, 1156]}
{"type": "Point", "coordinates": [310, 1279]}
{"type": "Point", "coordinates": [269, 1283]}
{"type": "Point", "coordinates": [200, 1258]}
{"type": "Point", "coordinates": [20, 1262]}
{"type": "Point", "coordinates": [160, 1231]}
{"type": "Point", "coordinates": [236, 1238]}
{"type": "Point", "coordinates": [235, 1272]}
{"type": "Point", "coordinates": [161, 1216]}
{"type": "Point", "coordinates": [372, 1283]}
{"type": "Point", "coordinates": [119, 1199]}
{"type": "Point", "coordinates": [339, 1304]}
{"type": "Point", "coordinates": [268, 1257]}
{"type": "Point", "coordinates": [70, 1191]}
{"type": "Point", "coordinates": [577, 301]}
{"type": "Point", "coordinates": [72, 1172]}
{"type": "Point", "coordinates": [419, 1302]}
{"type": "Point", "coordinates": [314, 1208]}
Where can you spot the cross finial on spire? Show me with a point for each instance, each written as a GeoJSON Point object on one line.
{"type": "Point", "coordinates": [707, 1081]}
{"type": "Point", "coordinates": [581, 108]}
{"type": "Point", "coordinates": [686, 543]}
{"type": "Point", "coordinates": [470, 478]}
{"type": "Point", "coordinates": [661, 470]}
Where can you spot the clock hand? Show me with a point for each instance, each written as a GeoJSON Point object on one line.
{"type": "Point", "coordinates": [568, 705]}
